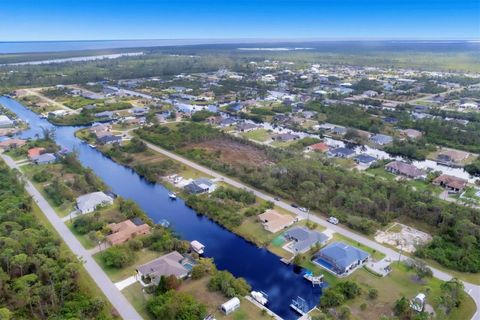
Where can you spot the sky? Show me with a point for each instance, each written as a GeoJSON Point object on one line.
{"type": "Point", "coordinates": [36, 20]}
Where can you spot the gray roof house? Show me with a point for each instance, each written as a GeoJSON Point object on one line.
{"type": "Point", "coordinates": [90, 201]}
{"type": "Point", "coordinates": [104, 115]}
{"type": "Point", "coordinates": [45, 158]}
{"type": "Point", "coordinates": [6, 122]}
{"type": "Point", "coordinates": [201, 185]}
{"type": "Point", "coordinates": [339, 130]}
{"type": "Point", "coordinates": [405, 169]}
{"type": "Point", "coordinates": [365, 159]}
{"type": "Point", "coordinates": [285, 137]}
{"type": "Point", "coordinates": [341, 153]}
{"type": "Point", "coordinates": [304, 238]}
{"type": "Point", "coordinates": [246, 127]}
{"type": "Point", "coordinates": [166, 265]}
{"type": "Point", "coordinates": [381, 139]}
{"type": "Point", "coordinates": [340, 258]}
{"type": "Point", "coordinates": [109, 139]}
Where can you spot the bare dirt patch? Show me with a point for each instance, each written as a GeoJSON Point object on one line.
{"type": "Point", "coordinates": [403, 237]}
{"type": "Point", "coordinates": [234, 153]}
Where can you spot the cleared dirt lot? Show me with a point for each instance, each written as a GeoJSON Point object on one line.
{"type": "Point", "coordinates": [234, 153]}
{"type": "Point", "coordinates": [403, 237]}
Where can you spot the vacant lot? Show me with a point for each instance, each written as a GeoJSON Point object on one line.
{"type": "Point", "coordinates": [234, 153]}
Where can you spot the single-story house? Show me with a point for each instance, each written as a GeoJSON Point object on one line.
{"type": "Point", "coordinates": [6, 122]}
{"type": "Point", "coordinates": [451, 183]}
{"type": "Point", "coordinates": [303, 238]}
{"type": "Point", "coordinates": [109, 139]}
{"type": "Point", "coordinates": [126, 230]}
{"type": "Point", "coordinates": [285, 137]}
{"type": "Point", "coordinates": [381, 139]}
{"type": "Point", "coordinates": [341, 153]}
{"type": "Point", "coordinates": [246, 127]}
{"type": "Point", "coordinates": [105, 115]}
{"type": "Point", "coordinates": [341, 258]}
{"type": "Point", "coordinates": [90, 201]}
{"type": "Point", "coordinates": [365, 159]}
{"type": "Point", "coordinates": [339, 131]}
{"type": "Point", "coordinates": [35, 152]}
{"type": "Point", "coordinates": [450, 155]}
{"type": "Point", "coordinates": [228, 122]}
{"type": "Point", "coordinates": [139, 111]}
{"type": "Point", "coordinates": [273, 221]}
{"type": "Point", "coordinates": [319, 147]}
{"type": "Point", "coordinates": [12, 144]}
{"type": "Point", "coordinates": [167, 265]}
{"type": "Point", "coordinates": [405, 169]}
{"type": "Point", "coordinates": [201, 185]}
{"type": "Point", "coordinates": [99, 127]}
{"type": "Point", "coordinates": [44, 158]}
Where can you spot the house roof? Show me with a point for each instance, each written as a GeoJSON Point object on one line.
{"type": "Point", "coordinates": [304, 238]}
{"type": "Point", "coordinates": [365, 158]}
{"type": "Point", "coordinates": [91, 200]}
{"type": "Point", "coordinates": [342, 151]}
{"type": "Point", "coordinates": [35, 152]}
{"type": "Point", "coordinates": [451, 181]}
{"type": "Point", "coordinates": [343, 255]}
{"type": "Point", "coordinates": [124, 230]}
{"type": "Point", "coordinates": [405, 168]}
{"type": "Point", "coordinates": [165, 265]}
{"type": "Point", "coordinates": [12, 142]}
{"type": "Point", "coordinates": [274, 221]}
{"type": "Point", "coordinates": [321, 147]}
{"type": "Point", "coordinates": [45, 157]}
{"type": "Point", "coordinates": [381, 139]}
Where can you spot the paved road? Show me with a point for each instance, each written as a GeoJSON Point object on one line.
{"type": "Point", "coordinates": [119, 302]}
{"type": "Point", "coordinates": [471, 289]}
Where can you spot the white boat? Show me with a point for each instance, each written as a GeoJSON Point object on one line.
{"type": "Point", "coordinates": [197, 247]}
{"type": "Point", "coordinates": [260, 296]}
{"type": "Point", "coordinates": [92, 146]}
{"type": "Point", "coordinates": [172, 195]}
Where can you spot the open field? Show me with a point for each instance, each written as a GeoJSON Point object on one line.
{"type": "Point", "coordinates": [260, 135]}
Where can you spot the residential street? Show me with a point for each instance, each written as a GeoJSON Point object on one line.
{"type": "Point", "coordinates": [116, 298]}
{"type": "Point", "coordinates": [471, 289]}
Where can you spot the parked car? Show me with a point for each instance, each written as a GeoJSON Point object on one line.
{"type": "Point", "coordinates": [276, 199]}
{"type": "Point", "coordinates": [303, 209]}
{"type": "Point", "coordinates": [294, 205]}
{"type": "Point", "coordinates": [333, 220]}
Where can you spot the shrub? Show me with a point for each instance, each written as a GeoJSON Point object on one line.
{"type": "Point", "coordinates": [117, 257]}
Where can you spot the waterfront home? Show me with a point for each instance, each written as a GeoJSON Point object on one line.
{"type": "Point", "coordinates": [450, 183]}
{"type": "Point", "coordinates": [228, 122]}
{"type": "Point", "coordinates": [273, 221]}
{"type": "Point", "coordinates": [341, 259]}
{"type": "Point", "coordinates": [139, 111]}
{"type": "Point", "coordinates": [452, 156]}
{"type": "Point", "coordinates": [44, 158]}
{"type": "Point", "coordinates": [105, 115]}
{"type": "Point", "coordinates": [405, 169]}
{"type": "Point", "coordinates": [302, 239]}
{"type": "Point", "coordinates": [364, 159]}
{"type": "Point", "coordinates": [170, 264]}
{"type": "Point", "coordinates": [6, 122]}
{"type": "Point", "coordinates": [339, 131]}
{"type": "Point", "coordinates": [126, 230]}
{"type": "Point", "coordinates": [246, 127]}
{"type": "Point", "coordinates": [202, 185]}
{"type": "Point", "coordinates": [90, 201]}
{"type": "Point", "coordinates": [35, 152]}
{"type": "Point", "coordinates": [12, 144]}
{"type": "Point", "coordinates": [109, 139]}
{"type": "Point", "coordinates": [381, 139]}
{"type": "Point", "coordinates": [99, 127]}
{"type": "Point", "coordinates": [319, 147]}
{"type": "Point", "coordinates": [341, 153]}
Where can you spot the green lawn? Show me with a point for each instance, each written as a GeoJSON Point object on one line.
{"type": "Point", "coordinates": [138, 299]}
{"type": "Point", "coordinates": [380, 172]}
{"type": "Point", "coordinates": [116, 274]}
{"type": "Point", "coordinates": [83, 238]}
{"type": "Point", "coordinates": [260, 135]}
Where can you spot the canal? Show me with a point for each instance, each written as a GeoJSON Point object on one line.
{"type": "Point", "coordinates": [263, 270]}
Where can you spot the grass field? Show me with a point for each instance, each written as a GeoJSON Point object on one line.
{"type": "Point", "coordinates": [138, 299]}
{"type": "Point", "coordinates": [116, 274]}
{"type": "Point", "coordinates": [260, 135]}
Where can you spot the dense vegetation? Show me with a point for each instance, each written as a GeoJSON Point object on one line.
{"type": "Point", "coordinates": [39, 278]}
{"type": "Point", "coordinates": [363, 202]}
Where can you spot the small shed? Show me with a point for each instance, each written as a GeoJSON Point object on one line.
{"type": "Point", "coordinates": [230, 306]}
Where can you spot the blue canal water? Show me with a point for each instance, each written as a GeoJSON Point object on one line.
{"type": "Point", "coordinates": [263, 270]}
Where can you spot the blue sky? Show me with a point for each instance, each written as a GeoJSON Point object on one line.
{"type": "Point", "coordinates": [22, 20]}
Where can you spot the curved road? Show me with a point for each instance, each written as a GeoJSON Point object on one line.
{"type": "Point", "coordinates": [472, 289]}
{"type": "Point", "coordinates": [116, 298]}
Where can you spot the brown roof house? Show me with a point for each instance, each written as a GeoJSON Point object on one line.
{"type": "Point", "coordinates": [126, 230]}
{"type": "Point", "coordinates": [273, 221]}
{"type": "Point", "coordinates": [319, 147]}
{"type": "Point", "coordinates": [405, 169]}
{"type": "Point", "coordinates": [451, 183]}
{"type": "Point", "coordinates": [35, 152]}
{"type": "Point", "coordinates": [172, 263]}
{"type": "Point", "coordinates": [12, 143]}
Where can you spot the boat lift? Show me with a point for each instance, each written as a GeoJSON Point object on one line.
{"type": "Point", "coordinates": [299, 305]}
{"type": "Point", "coordinates": [315, 280]}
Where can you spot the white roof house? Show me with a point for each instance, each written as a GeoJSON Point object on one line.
{"type": "Point", "coordinates": [90, 201]}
